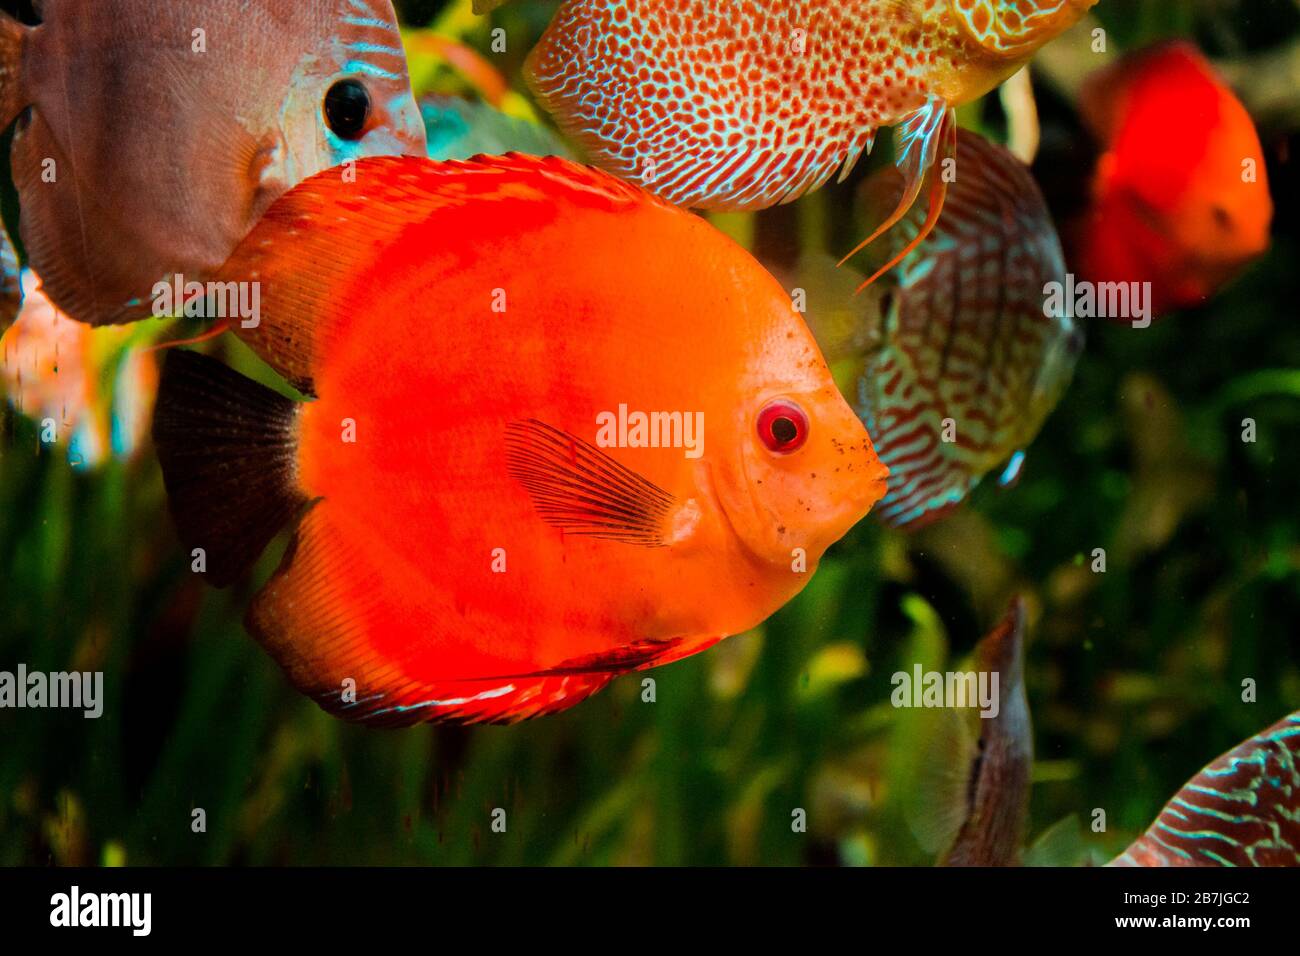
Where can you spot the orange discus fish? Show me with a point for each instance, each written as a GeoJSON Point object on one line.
{"type": "Point", "coordinates": [561, 430]}
{"type": "Point", "coordinates": [747, 104]}
{"type": "Point", "coordinates": [1180, 197]}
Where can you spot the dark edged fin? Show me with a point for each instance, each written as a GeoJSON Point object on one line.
{"type": "Point", "coordinates": [13, 98]}
{"type": "Point", "coordinates": [581, 490]}
{"type": "Point", "coordinates": [1241, 810]}
{"type": "Point", "coordinates": [999, 799]}
{"type": "Point", "coordinates": [227, 449]}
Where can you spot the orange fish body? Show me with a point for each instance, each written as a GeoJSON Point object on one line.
{"type": "Point", "coordinates": [1180, 197]}
{"type": "Point", "coordinates": [498, 541]}
{"type": "Point", "coordinates": [151, 136]}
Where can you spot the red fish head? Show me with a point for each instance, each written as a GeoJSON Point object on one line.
{"type": "Point", "coordinates": [1181, 195]}
{"type": "Point", "coordinates": [803, 473]}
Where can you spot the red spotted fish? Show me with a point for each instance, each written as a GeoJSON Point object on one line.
{"type": "Point", "coordinates": [151, 136]}
{"type": "Point", "coordinates": [746, 104]}
{"type": "Point", "coordinates": [957, 362]}
{"type": "Point", "coordinates": [1241, 810]}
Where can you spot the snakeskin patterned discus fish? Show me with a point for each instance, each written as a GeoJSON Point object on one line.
{"type": "Point", "coordinates": [960, 365]}
{"type": "Point", "coordinates": [747, 104]}
{"type": "Point", "coordinates": [1241, 810]}
{"type": "Point", "coordinates": [151, 136]}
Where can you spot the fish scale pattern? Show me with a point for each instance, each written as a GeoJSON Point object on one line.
{"type": "Point", "coordinates": [735, 105]}
{"type": "Point", "coordinates": [968, 339]}
{"type": "Point", "coordinates": [1241, 810]}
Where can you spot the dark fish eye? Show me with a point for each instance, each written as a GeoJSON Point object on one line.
{"type": "Point", "coordinates": [347, 107]}
{"type": "Point", "coordinates": [782, 426]}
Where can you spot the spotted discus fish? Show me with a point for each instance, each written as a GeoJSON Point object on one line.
{"type": "Point", "coordinates": [746, 104]}
{"type": "Point", "coordinates": [150, 136]}
{"type": "Point", "coordinates": [959, 362]}
{"type": "Point", "coordinates": [1241, 810]}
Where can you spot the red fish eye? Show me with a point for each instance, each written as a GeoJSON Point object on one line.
{"type": "Point", "coordinates": [783, 427]}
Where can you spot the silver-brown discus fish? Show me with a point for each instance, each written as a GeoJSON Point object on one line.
{"type": "Point", "coordinates": [151, 136]}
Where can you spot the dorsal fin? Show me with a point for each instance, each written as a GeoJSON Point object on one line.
{"type": "Point", "coordinates": [348, 221]}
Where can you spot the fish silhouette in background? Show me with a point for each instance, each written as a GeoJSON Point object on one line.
{"type": "Point", "coordinates": [973, 788]}
{"type": "Point", "coordinates": [475, 539]}
{"type": "Point", "coordinates": [151, 136]}
{"type": "Point", "coordinates": [955, 361]}
{"type": "Point", "coordinates": [1180, 198]}
{"type": "Point", "coordinates": [745, 105]}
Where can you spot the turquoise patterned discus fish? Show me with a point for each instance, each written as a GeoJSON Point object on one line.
{"type": "Point", "coordinates": [959, 364]}
{"type": "Point", "coordinates": [1241, 810]}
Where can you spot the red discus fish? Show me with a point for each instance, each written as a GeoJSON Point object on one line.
{"type": "Point", "coordinates": [1180, 197]}
{"type": "Point", "coordinates": [151, 136]}
{"type": "Point", "coordinates": [561, 430]}
{"type": "Point", "coordinates": [747, 104]}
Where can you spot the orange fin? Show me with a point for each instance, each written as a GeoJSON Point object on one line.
{"type": "Point", "coordinates": [353, 220]}
{"type": "Point", "coordinates": [370, 642]}
{"type": "Point", "coordinates": [921, 137]}
{"type": "Point", "coordinates": [581, 490]}
{"type": "Point", "coordinates": [226, 445]}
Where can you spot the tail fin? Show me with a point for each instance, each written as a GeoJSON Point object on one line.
{"type": "Point", "coordinates": [12, 97]}
{"type": "Point", "coordinates": [227, 448]}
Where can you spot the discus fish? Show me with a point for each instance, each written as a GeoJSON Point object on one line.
{"type": "Point", "coordinates": [1241, 810]}
{"type": "Point", "coordinates": [1180, 196]}
{"type": "Point", "coordinates": [747, 104]}
{"type": "Point", "coordinates": [562, 430]}
{"type": "Point", "coordinates": [151, 136]}
{"type": "Point", "coordinates": [973, 800]}
{"type": "Point", "coordinates": [956, 363]}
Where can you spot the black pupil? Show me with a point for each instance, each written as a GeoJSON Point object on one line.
{"type": "Point", "coordinates": [347, 107]}
{"type": "Point", "coordinates": [784, 430]}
